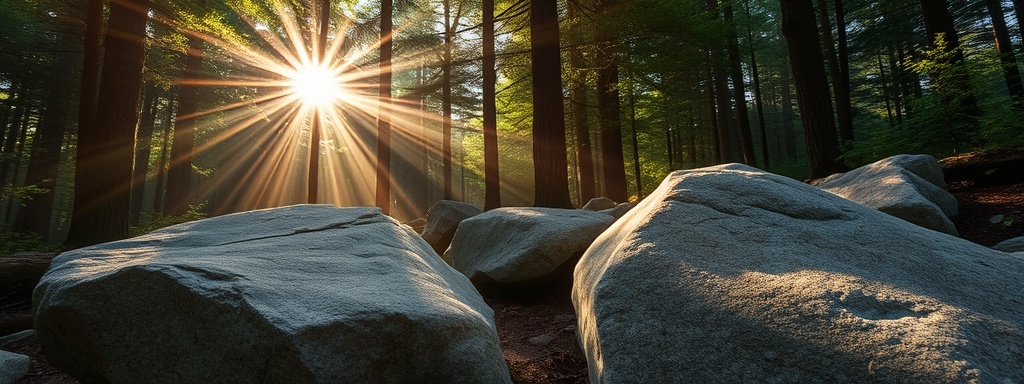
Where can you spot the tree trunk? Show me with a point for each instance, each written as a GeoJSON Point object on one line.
{"type": "Point", "coordinates": [581, 121]}
{"type": "Point", "coordinates": [636, 145]}
{"type": "Point", "coordinates": [896, 73]}
{"type": "Point", "coordinates": [788, 130]}
{"type": "Point", "coordinates": [143, 147]}
{"type": "Point", "coordinates": [106, 149]}
{"type": "Point", "coordinates": [446, 102]}
{"type": "Point", "coordinates": [492, 182]}
{"type": "Point", "coordinates": [609, 107]}
{"type": "Point", "coordinates": [550, 164]}
{"type": "Point", "coordinates": [179, 174]}
{"type": "Point", "coordinates": [1009, 61]}
{"type": "Point", "coordinates": [19, 156]}
{"type": "Point", "coordinates": [757, 93]}
{"type": "Point", "coordinates": [383, 197]}
{"type": "Point", "coordinates": [713, 124]}
{"type": "Point", "coordinates": [801, 33]}
{"type": "Point", "coordinates": [14, 132]}
{"type": "Point", "coordinates": [963, 124]}
{"type": "Point", "coordinates": [738, 87]}
{"type": "Point", "coordinates": [93, 57]}
{"type": "Point", "coordinates": [839, 87]}
{"type": "Point", "coordinates": [885, 91]}
{"type": "Point", "coordinates": [841, 80]}
{"type": "Point", "coordinates": [161, 164]}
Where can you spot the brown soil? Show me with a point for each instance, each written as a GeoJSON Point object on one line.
{"type": "Point", "coordinates": [537, 332]}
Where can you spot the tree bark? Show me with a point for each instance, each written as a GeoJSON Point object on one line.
{"type": "Point", "coordinates": [45, 158]}
{"type": "Point", "coordinates": [788, 130]}
{"type": "Point", "coordinates": [841, 81]}
{"type": "Point", "coordinates": [758, 102]}
{"type": "Point", "coordinates": [1006, 57]}
{"type": "Point", "coordinates": [492, 181]}
{"type": "Point", "coordinates": [637, 170]}
{"type": "Point", "coordinates": [106, 149]}
{"type": "Point", "coordinates": [801, 33]}
{"type": "Point", "coordinates": [383, 196]}
{"type": "Point", "coordinates": [161, 164]}
{"type": "Point", "coordinates": [842, 97]}
{"type": "Point", "coordinates": [609, 108]}
{"type": "Point", "coordinates": [446, 103]}
{"type": "Point", "coordinates": [738, 87]}
{"type": "Point", "coordinates": [885, 91]}
{"type": "Point", "coordinates": [93, 52]}
{"type": "Point", "coordinates": [581, 120]}
{"type": "Point", "coordinates": [179, 174]}
{"type": "Point", "coordinates": [550, 164]}
{"type": "Point", "coordinates": [143, 147]}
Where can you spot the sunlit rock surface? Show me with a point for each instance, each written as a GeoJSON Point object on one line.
{"type": "Point", "coordinates": [308, 293]}
{"type": "Point", "coordinates": [599, 204]}
{"type": "Point", "coordinates": [509, 245]}
{"type": "Point", "coordinates": [442, 221]}
{"type": "Point", "coordinates": [728, 274]}
{"type": "Point", "coordinates": [910, 187]}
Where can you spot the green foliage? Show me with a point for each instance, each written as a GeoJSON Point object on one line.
{"type": "Point", "coordinates": [940, 125]}
{"type": "Point", "coordinates": [21, 193]}
{"type": "Point", "coordinates": [17, 242]}
{"type": "Point", "coordinates": [151, 221]}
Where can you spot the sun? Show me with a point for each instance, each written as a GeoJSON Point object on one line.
{"type": "Point", "coordinates": [316, 85]}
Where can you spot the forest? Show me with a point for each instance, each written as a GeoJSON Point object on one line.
{"type": "Point", "coordinates": [122, 116]}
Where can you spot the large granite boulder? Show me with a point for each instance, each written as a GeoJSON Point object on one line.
{"type": "Point", "coordinates": [523, 245]}
{"type": "Point", "coordinates": [308, 293]}
{"type": "Point", "coordinates": [442, 221]}
{"type": "Point", "coordinates": [729, 274]}
{"type": "Point", "coordinates": [910, 187]}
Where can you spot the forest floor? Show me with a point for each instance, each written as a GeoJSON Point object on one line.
{"type": "Point", "coordinates": [538, 334]}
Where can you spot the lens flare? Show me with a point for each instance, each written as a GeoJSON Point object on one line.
{"type": "Point", "coordinates": [316, 85]}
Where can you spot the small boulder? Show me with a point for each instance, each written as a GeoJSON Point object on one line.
{"type": "Point", "coordinates": [906, 186]}
{"type": "Point", "coordinates": [599, 204]}
{"type": "Point", "coordinates": [442, 221]}
{"type": "Point", "coordinates": [301, 294]}
{"type": "Point", "coordinates": [12, 366]}
{"type": "Point", "coordinates": [619, 210]}
{"type": "Point", "coordinates": [523, 245]}
{"type": "Point", "coordinates": [1015, 244]}
{"type": "Point", "coordinates": [730, 274]}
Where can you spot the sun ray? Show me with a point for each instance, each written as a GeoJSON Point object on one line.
{"type": "Point", "coordinates": [263, 140]}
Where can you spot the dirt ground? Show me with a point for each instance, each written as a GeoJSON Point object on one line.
{"type": "Point", "coordinates": [537, 332]}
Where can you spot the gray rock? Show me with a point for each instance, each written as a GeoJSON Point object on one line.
{"type": "Point", "coordinates": [1015, 244]}
{"type": "Point", "coordinates": [906, 186]}
{"type": "Point", "coordinates": [599, 204]}
{"type": "Point", "coordinates": [16, 337]}
{"type": "Point", "coordinates": [442, 221]}
{"type": "Point", "coordinates": [729, 274]}
{"type": "Point", "coordinates": [308, 293]}
{"type": "Point", "coordinates": [541, 340]}
{"type": "Point", "coordinates": [619, 210]}
{"type": "Point", "coordinates": [13, 366]}
{"type": "Point", "coordinates": [510, 245]}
